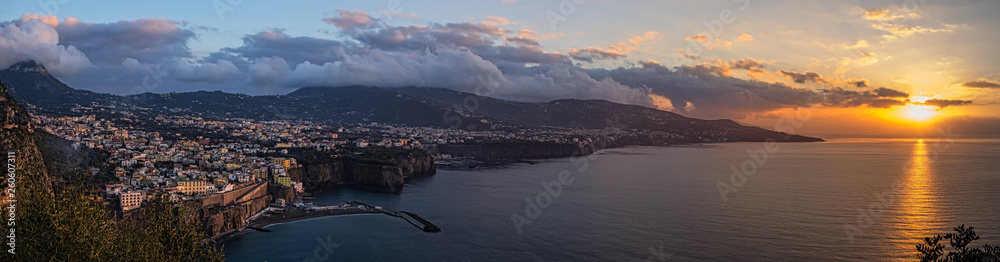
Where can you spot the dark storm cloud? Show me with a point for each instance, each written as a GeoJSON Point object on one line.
{"type": "Point", "coordinates": [590, 54]}
{"type": "Point", "coordinates": [801, 78]}
{"type": "Point", "coordinates": [712, 95]}
{"type": "Point", "coordinates": [754, 68]}
{"type": "Point", "coordinates": [295, 50]}
{"type": "Point", "coordinates": [982, 83]}
{"type": "Point", "coordinates": [942, 103]}
{"type": "Point", "coordinates": [487, 40]}
{"type": "Point", "coordinates": [879, 98]}
{"type": "Point", "coordinates": [150, 40]}
{"type": "Point", "coordinates": [521, 40]}
{"type": "Point", "coordinates": [747, 64]}
{"type": "Point", "coordinates": [886, 92]}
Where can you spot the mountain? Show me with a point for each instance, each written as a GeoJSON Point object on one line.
{"type": "Point", "coordinates": [31, 83]}
{"type": "Point", "coordinates": [410, 106]}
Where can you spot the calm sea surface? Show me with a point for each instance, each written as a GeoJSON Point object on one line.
{"type": "Point", "coordinates": [664, 204]}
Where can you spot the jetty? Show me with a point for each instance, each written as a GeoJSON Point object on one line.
{"type": "Point", "coordinates": [412, 218]}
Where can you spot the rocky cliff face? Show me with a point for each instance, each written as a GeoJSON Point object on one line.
{"type": "Point", "coordinates": [417, 165]}
{"type": "Point", "coordinates": [379, 169]}
{"type": "Point", "coordinates": [218, 218]}
{"type": "Point", "coordinates": [512, 151]}
{"type": "Point", "coordinates": [234, 217]}
{"type": "Point", "coordinates": [282, 192]}
{"type": "Point", "coordinates": [318, 174]}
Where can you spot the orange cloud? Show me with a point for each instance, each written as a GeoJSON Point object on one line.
{"type": "Point", "coordinates": [745, 37]}
{"type": "Point", "coordinates": [495, 20]}
{"type": "Point", "coordinates": [613, 51]}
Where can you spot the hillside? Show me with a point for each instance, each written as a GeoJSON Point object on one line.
{"type": "Point", "coordinates": [407, 106]}
{"type": "Point", "coordinates": [68, 221]}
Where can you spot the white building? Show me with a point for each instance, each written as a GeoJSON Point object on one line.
{"type": "Point", "coordinates": [131, 200]}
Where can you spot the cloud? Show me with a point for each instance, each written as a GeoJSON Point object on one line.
{"type": "Point", "coordinates": [859, 44]}
{"type": "Point", "coordinates": [268, 70]}
{"type": "Point", "coordinates": [48, 19]}
{"type": "Point", "coordinates": [697, 38]}
{"type": "Point", "coordinates": [590, 54]}
{"type": "Point", "coordinates": [879, 98]}
{"type": "Point", "coordinates": [218, 72]}
{"type": "Point", "coordinates": [858, 82]}
{"type": "Point", "coordinates": [463, 71]}
{"type": "Point", "coordinates": [154, 39]}
{"type": "Point", "coordinates": [886, 92]}
{"type": "Point", "coordinates": [38, 40]}
{"type": "Point", "coordinates": [754, 68]}
{"type": "Point", "coordinates": [294, 49]}
{"type": "Point", "coordinates": [894, 22]}
{"type": "Point", "coordinates": [982, 83]}
{"type": "Point", "coordinates": [889, 14]}
{"type": "Point", "coordinates": [615, 51]}
{"type": "Point", "coordinates": [521, 40]}
{"type": "Point", "coordinates": [481, 38]}
{"type": "Point", "coordinates": [801, 78]}
{"type": "Point", "coordinates": [705, 70]}
{"type": "Point", "coordinates": [710, 43]}
{"type": "Point", "coordinates": [483, 58]}
{"type": "Point", "coordinates": [497, 20]}
{"type": "Point", "coordinates": [745, 37]}
{"type": "Point", "coordinates": [942, 103]}
{"type": "Point", "coordinates": [350, 19]}
{"type": "Point", "coordinates": [899, 31]}
{"type": "Point", "coordinates": [714, 96]}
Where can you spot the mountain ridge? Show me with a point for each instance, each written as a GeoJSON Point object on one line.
{"type": "Point", "coordinates": [409, 106]}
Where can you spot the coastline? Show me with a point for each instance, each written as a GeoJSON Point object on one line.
{"type": "Point", "coordinates": [291, 214]}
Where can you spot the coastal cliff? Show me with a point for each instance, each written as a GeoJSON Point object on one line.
{"type": "Point", "coordinates": [233, 217]}
{"type": "Point", "coordinates": [502, 153]}
{"type": "Point", "coordinates": [318, 173]}
{"type": "Point", "coordinates": [385, 168]}
{"type": "Point", "coordinates": [227, 211]}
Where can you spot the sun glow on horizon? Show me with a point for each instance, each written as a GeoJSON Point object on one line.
{"type": "Point", "coordinates": [918, 113]}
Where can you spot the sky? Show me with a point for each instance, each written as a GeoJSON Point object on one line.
{"type": "Point", "coordinates": [894, 68]}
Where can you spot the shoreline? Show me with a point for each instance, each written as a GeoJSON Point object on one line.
{"type": "Point", "coordinates": [291, 214]}
{"type": "Point", "coordinates": [294, 214]}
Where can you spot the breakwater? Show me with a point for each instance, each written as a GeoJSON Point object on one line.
{"type": "Point", "coordinates": [413, 219]}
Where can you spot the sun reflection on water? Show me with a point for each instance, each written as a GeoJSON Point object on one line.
{"type": "Point", "coordinates": [919, 216]}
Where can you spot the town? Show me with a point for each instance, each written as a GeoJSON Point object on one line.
{"type": "Point", "coordinates": [189, 157]}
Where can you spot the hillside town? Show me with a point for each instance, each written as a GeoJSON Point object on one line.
{"type": "Point", "coordinates": [188, 157]}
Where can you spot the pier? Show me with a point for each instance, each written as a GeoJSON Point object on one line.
{"type": "Point", "coordinates": [412, 218]}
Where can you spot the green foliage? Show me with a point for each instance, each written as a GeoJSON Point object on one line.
{"type": "Point", "coordinates": [931, 250]}
{"type": "Point", "coordinates": [166, 233]}
{"type": "Point", "coordinates": [76, 225]}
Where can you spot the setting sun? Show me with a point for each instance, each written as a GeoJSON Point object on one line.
{"type": "Point", "coordinates": [918, 112]}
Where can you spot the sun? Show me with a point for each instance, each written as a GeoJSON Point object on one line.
{"type": "Point", "coordinates": [918, 112]}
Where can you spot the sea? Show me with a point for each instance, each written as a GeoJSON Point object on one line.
{"type": "Point", "coordinates": [846, 199]}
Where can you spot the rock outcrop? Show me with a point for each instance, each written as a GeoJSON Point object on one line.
{"type": "Point", "coordinates": [514, 150]}
{"type": "Point", "coordinates": [223, 212]}
{"type": "Point", "coordinates": [381, 168]}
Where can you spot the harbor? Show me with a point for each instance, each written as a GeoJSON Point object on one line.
{"type": "Point", "coordinates": [299, 211]}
